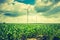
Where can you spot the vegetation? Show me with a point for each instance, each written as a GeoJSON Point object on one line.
{"type": "Point", "coordinates": [12, 31]}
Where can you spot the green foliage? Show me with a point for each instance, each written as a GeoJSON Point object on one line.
{"type": "Point", "coordinates": [18, 31]}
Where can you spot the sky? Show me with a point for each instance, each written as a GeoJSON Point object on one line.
{"type": "Point", "coordinates": [16, 12]}
{"type": "Point", "coordinates": [27, 1]}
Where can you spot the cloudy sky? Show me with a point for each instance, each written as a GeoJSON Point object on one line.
{"type": "Point", "coordinates": [29, 11]}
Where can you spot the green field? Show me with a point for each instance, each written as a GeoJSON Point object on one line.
{"type": "Point", "coordinates": [22, 31]}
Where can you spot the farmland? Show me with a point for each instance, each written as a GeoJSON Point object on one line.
{"type": "Point", "coordinates": [22, 31]}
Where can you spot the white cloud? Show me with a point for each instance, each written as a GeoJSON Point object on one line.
{"type": "Point", "coordinates": [17, 7]}
{"type": "Point", "coordinates": [22, 8]}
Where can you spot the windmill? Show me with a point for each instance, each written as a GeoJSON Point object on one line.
{"type": "Point", "coordinates": [28, 2]}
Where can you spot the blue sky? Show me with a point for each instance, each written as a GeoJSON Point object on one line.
{"type": "Point", "coordinates": [2, 1]}
{"type": "Point", "coordinates": [27, 1]}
